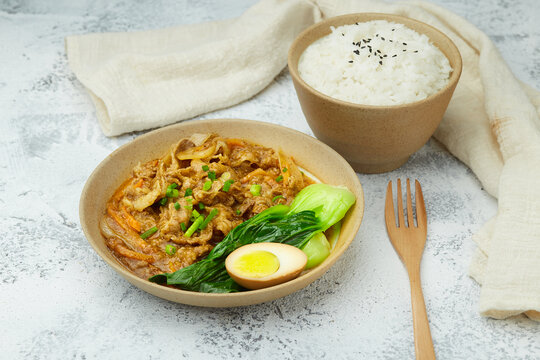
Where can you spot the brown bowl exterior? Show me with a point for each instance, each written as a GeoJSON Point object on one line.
{"type": "Point", "coordinates": [309, 153]}
{"type": "Point", "coordinates": [373, 139]}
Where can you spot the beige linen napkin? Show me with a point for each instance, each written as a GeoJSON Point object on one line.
{"type": "Point", "coordinates": [148, 79]}
{"type": "Point", "coordinates": [142, 80]}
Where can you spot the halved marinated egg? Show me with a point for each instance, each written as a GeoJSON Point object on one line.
{"type": "Point", "coordinates": [256, 266]}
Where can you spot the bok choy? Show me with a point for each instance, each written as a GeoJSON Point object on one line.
{"type": "Point", "coordinates": [330, 203]}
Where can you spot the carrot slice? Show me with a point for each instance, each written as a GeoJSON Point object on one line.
{"type": "Point", "coordinates": [139, 183]}
{"type": "Point", "coordinates": [112, 213]}
{"type": "Point", "coordinates": [120, 191]}
{"type": "Point", "coordinates": [131, 220]}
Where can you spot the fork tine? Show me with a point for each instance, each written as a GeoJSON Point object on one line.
{"type": "Point", "coordinates": [421, 217]}
{"type": "Point", "coordinates": [410, 216]}
{"type": "Point", "coordinates": [389, 214]}
{"type": "Point", "coordinates": [401, 216]}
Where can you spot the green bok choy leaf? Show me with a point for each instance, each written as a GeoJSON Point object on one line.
{"type": "Point", "coordinates": [330, 203]}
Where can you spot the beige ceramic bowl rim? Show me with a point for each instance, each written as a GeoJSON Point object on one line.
{"type": "Point", "coordinates": [316, 272]}
{"type": "Point", "coordinates": [293, 68]}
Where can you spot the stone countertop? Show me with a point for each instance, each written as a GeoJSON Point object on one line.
{"type": "Point", "coordinates": [58, 299]}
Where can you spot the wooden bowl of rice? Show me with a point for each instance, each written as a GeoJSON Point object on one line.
{"type": "Point", "coordinates": [376, 131]}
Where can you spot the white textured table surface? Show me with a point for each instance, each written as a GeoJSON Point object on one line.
{"type": "Point", "coordinates": [58, 299]}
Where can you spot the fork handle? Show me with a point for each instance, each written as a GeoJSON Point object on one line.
{"type": "Point", "coordinates": [423, 344]}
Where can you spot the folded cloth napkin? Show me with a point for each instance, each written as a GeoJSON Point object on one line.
{"type": "Point", "coordinates": [153, 78]}
{"type": "Point", "coordinates": [147, 79]}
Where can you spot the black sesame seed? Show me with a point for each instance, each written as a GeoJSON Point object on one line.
{"type": "Point", "coordinates": [404, 43]}
{"type": "Point", "coordinates": [380, 62]}
{"type": "Point", "coordinates": [362, 47]}
{"type": "Point", "coordinates": [391, 40]}
{"type": "Point", "coordinates": [415, 51]}
{"type": "Point", "coordinates": [404, 49]}
{"type": "Point", "coordinates": [369, 49]}
{"type": "Point", "coordinates": [379, 51]}
{"type": "Point", "coordinates": [376, 35]}
{"type": "Point", "coordinates": [394, 55]}
{"type": "Point", "coordinates": [356, 23]}
{"type": "Point", "coordinates": [369, 56]}
{"type": "Point", "coordinates": [393, 29]}
{"type": "Point", "coordinates": [350, 61]}
{"type": "Point", "coordinates": [385, 55]}
{"type": "Point", "coordinates": [382, 38]}
{"type": "Point", "coordinates": [356, 52]}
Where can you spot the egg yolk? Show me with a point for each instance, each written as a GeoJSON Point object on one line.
{"type": "Point", "coordinates": [256, 264]}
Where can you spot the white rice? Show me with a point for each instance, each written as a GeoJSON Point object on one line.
{"type": "Point", "coordinates": [402, 67]}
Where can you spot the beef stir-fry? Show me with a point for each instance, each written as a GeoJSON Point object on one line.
{"type": "Point", "coordinates": [174, 210]}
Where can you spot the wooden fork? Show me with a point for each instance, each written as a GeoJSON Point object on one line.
{"type": "Point", "coordinates": [409, 241]}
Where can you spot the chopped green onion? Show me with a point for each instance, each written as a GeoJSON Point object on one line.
{"type": "Point", "coordinates": [255, 189]}
{"type": "Point", "coordinates": [207, 185]}
{"type": "Point", "coordinates": [225, 176]}
{"type": "Point", "coordinates": [194, 226]}
{"type": "Point", "coordinates": [284, 170]}
{"type": "Point", "coordinates": [171, 193]}
{"type": "Point", "coordinates": [212, 175]}
{"type": "Point", "coordinates": [189, 200]}
{"type": "Point", "coordinates": [205, 168]}
{"type": "Point", "coordinates": [177, 205]}
{"type": "Point", "coordinates": [188, 192]}
{"type": "Point", "coordinates": [227, 185]}
{"type": "Point", "coordinates": [183, 226]}
{"type": "Point", "coordinates": [189, 207]}
{"type": "Point", "coordinates": [209, 218]}
{"type": "Point", "coordinates": [171, 190]}
{"type": "Point", "coordinates": [201, 206]}
{"type": "Point", "coordinates": [163, 201]}
{"type": "Point", "coordinates": [149, 232]}
{"type": "Point", "coordinates": [170, 249]}
{"type": "Point", "coordinates": [275, 198]}
{"type": "Point", "coordinates": [238, 212]}
{"type": "Point", "coordinates": [279, 178]}
{"type": "Point", "coordinates": [195, 213]}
